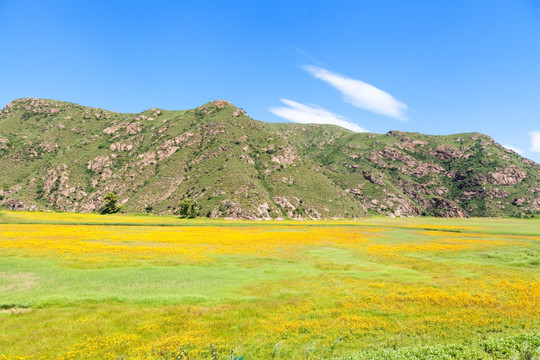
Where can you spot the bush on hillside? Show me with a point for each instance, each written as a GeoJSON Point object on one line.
{"type": "Point", "coordinates": [111, 204]}
{"type": "Point", "coordinates": [188, 209]}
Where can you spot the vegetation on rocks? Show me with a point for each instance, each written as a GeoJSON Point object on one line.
{"type": "Point", "coordinates": [61, 156]}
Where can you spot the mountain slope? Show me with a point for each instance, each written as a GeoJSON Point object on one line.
{"type": "Point", "coordinates": [63, 156]}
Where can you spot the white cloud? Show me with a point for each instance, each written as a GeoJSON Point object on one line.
{"type": "Point", "coordinates": [513, 148]}
{"type": "Point", "coordinates": [361, 94]}
{"type": "Point", "coordinates": [312, 114]}
{"type": "Point", "coordinates": [535, 141]}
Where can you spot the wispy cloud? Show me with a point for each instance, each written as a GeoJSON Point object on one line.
{"type": "Point", "coordinates": [311, 58]}
{"type": "Point", "coordinates": [535, 141]}
{"type": "Point", "coordinates": [312, 114]}
{"type": "Point", "coordinates": [513, 148]}
{"type": "Point", "coordinates": [361, 94]}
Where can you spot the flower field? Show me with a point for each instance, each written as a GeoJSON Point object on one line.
{"type": "Point", "coordinates": [76, 286]}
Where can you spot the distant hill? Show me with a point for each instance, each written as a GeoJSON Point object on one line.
{"type": "Point", "coordinates": [62, 156]}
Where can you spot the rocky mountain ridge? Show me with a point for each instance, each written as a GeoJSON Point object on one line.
{"type": "Point", "coordinates": [61, 156]}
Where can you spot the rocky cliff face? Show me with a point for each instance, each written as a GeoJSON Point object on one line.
{"type": "Point", "coordinates": [62, 156]}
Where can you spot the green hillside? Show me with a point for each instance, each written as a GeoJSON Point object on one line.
{"type": "Point", "coordinates": [62, 156]}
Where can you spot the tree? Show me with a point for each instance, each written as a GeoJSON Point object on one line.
{"type": "Point", "coordinates": [188, 209]}
{"type": "Point", "coordinates": [110, 207]}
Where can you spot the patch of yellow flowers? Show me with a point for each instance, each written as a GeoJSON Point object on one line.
{"type": "Point", "coordinates": [331, 305]}
{"type": "Point", "coordinates": [88, 244]}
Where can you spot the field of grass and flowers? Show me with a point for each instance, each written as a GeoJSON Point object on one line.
{"type": "Point", "coordinates": [76, 286]}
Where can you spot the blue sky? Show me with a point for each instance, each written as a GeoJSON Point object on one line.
{"type": "Point", "coordinates": [436, 67]}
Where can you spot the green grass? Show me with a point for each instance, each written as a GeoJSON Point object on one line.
{"type": "Point", "coordinates": [60, 158]}
{"type": "Point", "coordinates": [378, 288]}
{"type": "Point", "coordinates": [181, 284]}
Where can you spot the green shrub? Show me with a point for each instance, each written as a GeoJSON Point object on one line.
{"type": "Point", "coordinates": [111, 204]}
{"type": "Point", "coordinates": [188, 209]}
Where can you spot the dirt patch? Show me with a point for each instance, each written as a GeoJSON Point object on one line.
{"type": "Point", "coordinates": [15, 311]}
{"type": "Point", "coordinates": [17, 281]}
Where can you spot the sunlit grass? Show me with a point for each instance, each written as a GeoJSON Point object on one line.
{"type": "Point", "coordinates": [144, 287]}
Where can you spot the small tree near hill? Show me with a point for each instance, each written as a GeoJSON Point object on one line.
{"type": "Point", "coordinates": [111, 204]}
{"type": "Point", "coordinates": [188, 209]}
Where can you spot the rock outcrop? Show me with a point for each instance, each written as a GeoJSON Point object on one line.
{"type": "Point", "coordinates": [62, 156]}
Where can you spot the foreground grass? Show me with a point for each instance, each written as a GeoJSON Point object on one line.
{"type": "Point", "coordinates": [78, 286]}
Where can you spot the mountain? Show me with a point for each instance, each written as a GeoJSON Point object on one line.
{"type": "Point", "coordinates": [61, 156]}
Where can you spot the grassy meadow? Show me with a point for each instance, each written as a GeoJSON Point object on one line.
{"type": "Point", "coordinates": [76, 286]}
